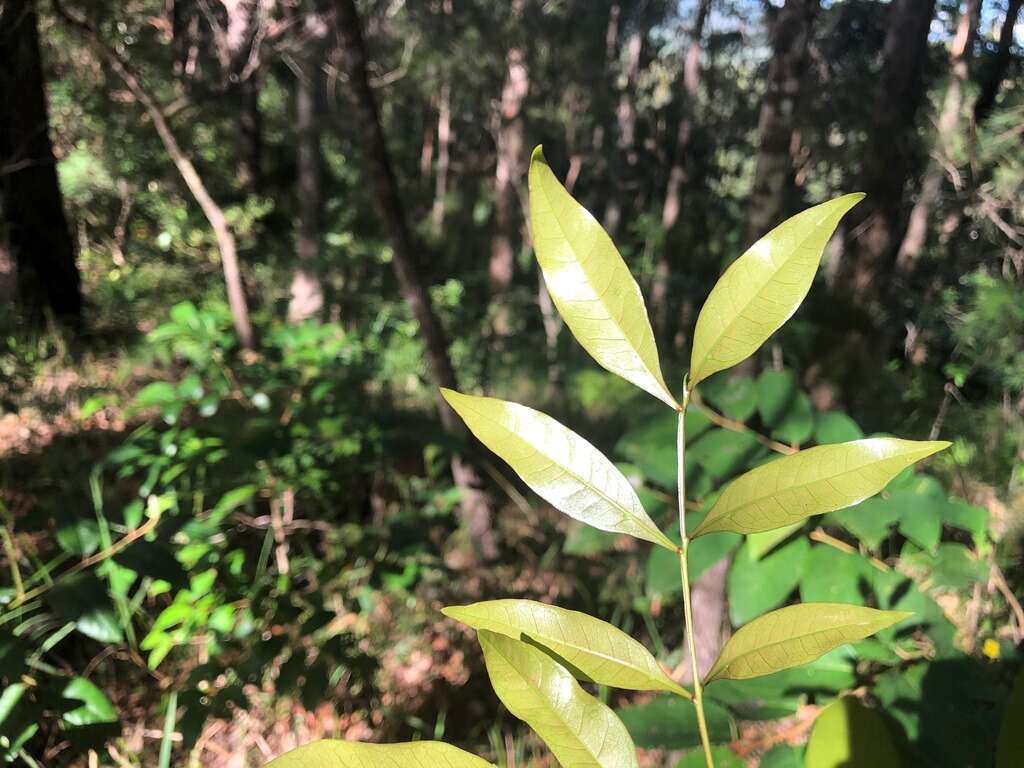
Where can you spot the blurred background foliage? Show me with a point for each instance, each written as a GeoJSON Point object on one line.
{"type": "Point", "coordinates": [216, 548]}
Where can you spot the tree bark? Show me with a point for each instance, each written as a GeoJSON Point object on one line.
{"type": "Point", "coordinates": [37, 230]}
{"type": "Point", "coordinates": [677, 175]}
{"type": "Point", "coordinates": [772, 192]}
{"type": "Point", "coordinates": [625, 117]}
{"type": "Point", "coordinates": [508, 171]}
{"type": "Point", "coordinates": [307, 298]}
{"type": "Point", "coordinates": [475, 507]}
{"type": "Point", "coordinates": [444, 140]}
{"type": "Point", "coordinates": [211, 210]}
{"type": "Point", "coordinates": [997, 71]}
{"type": "Point", "coordinates": [946, 134]}
{"type": "Point", "coordinates": [869, 255]}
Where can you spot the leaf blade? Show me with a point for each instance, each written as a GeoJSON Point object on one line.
{"type": "Point", "coordinates": [579, 730]}
{"type": "Point", "coordinates": [354, 754]}
{"type": "Point", "coordinates": [763, 288]}
{"type": "Point", "coordinates": [814, 481]}
{"type": "Point", "coordinates": [599, 650]}
{"type": "Point", "coordinates": [795, 635]}
{"type": "Point", "coordinates": [590, 284]}
{"type": "Point", "coordinates": [559, 465]}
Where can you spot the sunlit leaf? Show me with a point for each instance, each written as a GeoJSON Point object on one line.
{"type": "Point", "coordinates": [795, 635]}
{"type": "Point", "coordinates": [812, 482]}
{"type": "Point", "coordinates": [849, 735]}
{"type": "Point", "coordinates": [590, 284]}
{"type": "Point", "coordinates": [354, 754]}
{"type": "Point", "coordinates": [763, 288]}
{"type": "Point", "coordinates": [559, 465]}
{"type": "Point", "coordinates": [595, 649]}
{"type": "Point", "coordinates": [579, 730]}
{"type": "Point", "coordinates": [95, 707]}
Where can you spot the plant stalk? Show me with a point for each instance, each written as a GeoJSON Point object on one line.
{"type": "Point", "coordinates": [684, 574]}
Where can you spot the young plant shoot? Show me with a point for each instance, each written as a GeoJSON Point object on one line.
{"type": "Point", "coordinates": [535, 653]}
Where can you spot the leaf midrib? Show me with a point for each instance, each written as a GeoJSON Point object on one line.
{"type": "Point", "coordinates": [733, 512]}
{"type": "Point", "coordinates": [736, 317]}
{"type": "Point", "coordinates": [627, 513]}
{"type": "Point", "coordinates": [812, 633]}
{"type": "Point", "coordinates": [588, 651]}
{"type": "Point", "coordinates": [600, 298]}
{"type": "Point", "coordinates": [547, 705]}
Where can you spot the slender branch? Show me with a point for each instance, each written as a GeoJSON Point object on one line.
{"type": "Point", "coordinates": [738, 426]}
{"type": "Point", "coordinates": [684, 574]}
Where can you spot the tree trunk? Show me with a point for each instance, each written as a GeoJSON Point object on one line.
{"type": "Point", "coordinates": [772, 192]}
{"type": "Point", "coordinates": [475, 507]}
{"type": "Point", "coordinates": [37, 230]}
{"type": "Point", "coordinates": [998, 69]}
{"type": "Point", "coordinates": [677, 175]}
{"type": "Point", "coordinates": [508, 171]}
{"type": "Point", "coordinates": [211, 210]}
{"type": "Point", "coordinates": [869, 255]}
{"type": "Point", "coordinates": [307, 298]}
{"type": "Point", "coordinates": [625, 117]}
{"type": "Point", "coordinates": [946, 135]}
{"type": "Point", "coordinates": [444, 140]}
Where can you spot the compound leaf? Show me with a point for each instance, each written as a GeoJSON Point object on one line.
{"type": "Point", "coordinates": [579, 730]}
{"type": "Point", "coordinates": [559, 465]}
{"type": "Point", "coordinates": [354, 754]}
{"type": "Point", "coordinates": [591, 285]}
{"type": "Point", "coordinates": [795, 635]}
{"type": "Point", "coordinates": [812, 482]}
{"type": "Point", "coordinates": [595, 649]}
{"type": "Point", "coordinates": [763, 288]}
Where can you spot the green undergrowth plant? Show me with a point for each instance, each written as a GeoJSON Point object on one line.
{"type": "Point", "coordinates": [536, 654]}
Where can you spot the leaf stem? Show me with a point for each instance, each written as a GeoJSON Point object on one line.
{"type": "Point", "coordinates": [684, 574]}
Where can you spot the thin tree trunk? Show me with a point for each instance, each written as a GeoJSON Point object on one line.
{"type": "Point", "coordinates": [677, 175]}
{"type": "Point", "coordinates": [869, 256]}
{"type": "Point", "coordinates": [773, 178]}
{"type": "Point", "coordinates": [475, 506]}
{"type": "Point", "coordinates": [997, 72]}
{"type": "Point", "coordinates": [625, 116]}
{"type": "Point", "coordinates": [508, 170]}
{"type": "Point", "coordinates": [307, 297]}
{"type": "Point", "coordinates": [946, 134]}
{"type": "Point", "coordinates": [38, 235]}
{"type": "Point", "coordinates": [444, 140]}
{"type": "Point", "coordinates": [211, 210]}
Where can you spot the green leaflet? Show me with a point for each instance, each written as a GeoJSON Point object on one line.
{"type": "Point", "coordinates": [559, 465]}
{"type": "Point", "coordinates": [849, 735]}
{"type": "Point", "coordinates": [579, 730]}
{"type": "Point", "coordinates": [763, 288]}
{"type": "Point", "coordinates": [591, 285]}
{"type": "Point", "coordinates": [795, 635]}
{"type": "Point", "coordinates": [601, 652]}
{"type": "Point", "coordinates": [354, 754]}
{"type": "Point", "coordinates": [811, 482]}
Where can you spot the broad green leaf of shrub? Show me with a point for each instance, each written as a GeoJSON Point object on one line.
{"type": "Point", "coordinates": [795, 635]}
{"type": "Point", "coordinates": [784, 408]}
{"type": "Point", "coordinates": [591, 285]}
{"type": "Point", "coordinates": [669, 722]}
{"type": "Point", "coordinates": [755, 586]}
{"type": "Point", "coordinates": [818, 480]}
{"type": "Point", "coordinates": [662, 572]}
{"type": "Point", "coordinates": [763, 288]}
{"type": "Point", "coordinates": [354, 754]}
{"type": "Point", "coordinates": [849, 735]}
{"type": "Point", "coordinates": [835, 427]}
{"type": "Point", "coordinates": [559, 465]}
{"type": "Point", "coordinates": [833, 576]}
{"type": "Point", "coordinates": [595, 649]}
{"type": "Point", "coordinates": [578, 729]}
